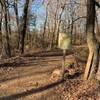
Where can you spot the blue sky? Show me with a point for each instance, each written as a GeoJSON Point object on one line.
{"type": "Point", "coordinates": [39, 9]}
{"type": "Point", "coordinates": [36, 8]}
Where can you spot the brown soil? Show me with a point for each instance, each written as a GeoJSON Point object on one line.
{"type": "Point", "coordinates": [27, 77]}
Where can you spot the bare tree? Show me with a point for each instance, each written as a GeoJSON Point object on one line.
{"type": "Point", "coordinates": [45, 23]}
{"type": "Point", "coordinates": [0, 18]}
{"type": "Point", "coordinates": [23, 27]}
{"type": "Point", "coordinates": [6, 50]}
{"type": "Point", "coordinates": [93, 62]}
{"type": "Point", "coordinates": [59, 21]}
{"type": "Point", "coordinates": [17, 19]}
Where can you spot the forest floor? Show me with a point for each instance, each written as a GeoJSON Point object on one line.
{"type": "Point", "coordinates": [28, 77]}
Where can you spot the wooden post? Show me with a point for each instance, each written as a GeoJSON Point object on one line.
{"type": "Point", "coordinates": [63, 63]}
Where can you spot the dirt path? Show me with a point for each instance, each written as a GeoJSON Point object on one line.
{"type": "Point", "coordinates": [28, 75]}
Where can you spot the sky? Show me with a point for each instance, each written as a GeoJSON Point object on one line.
{"type": "Point", "coordinates": [36, 8]}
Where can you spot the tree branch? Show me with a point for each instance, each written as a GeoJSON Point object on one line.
{"type": "Point", "coordinates": [97, 4]}
{"type": "Point", "coordinates": [76, 20]}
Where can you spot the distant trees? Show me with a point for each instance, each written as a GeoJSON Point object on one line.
{"type": "Point", "coordinates": [65, 12]}
{"type": "Point", "coordinates": [39, 29]}
{"type": "Point", "coordinates": [5, 21]}
{"type": "Point", "coordinates": [48, 31]}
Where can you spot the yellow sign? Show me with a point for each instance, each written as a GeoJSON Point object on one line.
{"type": "Point", "coordinates": [64, 41]}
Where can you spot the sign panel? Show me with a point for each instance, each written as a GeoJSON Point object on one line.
{"type": "Point", "coordinates": [64, 41]}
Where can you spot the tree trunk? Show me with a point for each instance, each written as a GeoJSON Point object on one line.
{"type": "Point", "coordinates": [9, 26]}
{"type": "Point", "coordinates": [72, 29]}
{"type": "Point", "coordinates": [6, 50]}
{"type": "Point", "coordinates": [17, 20]}
{"type": "Point", "coordinates": [54, 29]}
{"type": "Point", "coordinates": [24, 27]}
{"type": "Point", "coordinates": [53, 35]}
{"type": "Point", "coordinates": [0, 22]}
{"type": "Point", "coordinates": [58, 24]}
{"type": "Point", "coordinates": [45, 23]}
{"type": "Point", "coordinates": [98, 72]}
{"type": "Point", "coordinates": [92, 62]}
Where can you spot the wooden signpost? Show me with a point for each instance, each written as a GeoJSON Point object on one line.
{"type": "Point", "coordinates": [64, 43]}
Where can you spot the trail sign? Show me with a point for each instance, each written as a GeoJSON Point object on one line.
{"type": "Point", "coordinates": [64, 41]}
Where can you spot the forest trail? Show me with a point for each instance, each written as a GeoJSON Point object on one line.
{"type": "Point", "coordinates": [27, 74]}
{"type": "Point", "coordinates": [28, 77]}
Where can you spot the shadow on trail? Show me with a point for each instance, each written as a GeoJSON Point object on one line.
{"type": "Point", "coordinates": [56, 52]}
{"type": "Point", "coordinates": [34, 90]}
{"type": "Point", "coordinates": [40, 89]}
{"type": "Point", "coordinates": [26, 62]}
{"type": "Point", "coordinates": [21, 60]}
{"type": "Point", "coordinates": [27, 74]}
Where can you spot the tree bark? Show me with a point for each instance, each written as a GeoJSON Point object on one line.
{"type": "Point", "coordinates": [98, 72]}
{"type": "Point", "coordinates": [0, 22]}
{"type": "Point", "coordinates": [24, 27]}
{"type": "Point", "coordinates": [8, 13]}
{"type": "Point", "coordinates": [17, 20]}
{"type": "Point", "coordinates": [6, 50]}
{"type": "Point", "coordinates": [72, 26]}
{"type": "Point", "coordinates": [58, 24]}
{"type": "Point", "coordinates": [92, 62]}
{"type": "Point", "coordinates": [44, 29]}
